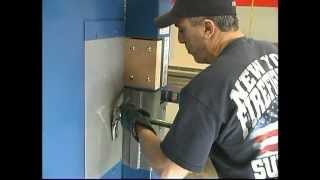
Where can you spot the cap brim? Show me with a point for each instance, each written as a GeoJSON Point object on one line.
{"type": "Point", "coordinates": [166, 20]}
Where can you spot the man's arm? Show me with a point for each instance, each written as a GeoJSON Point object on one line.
{"type": "Point", "coordinates": [151, 148]}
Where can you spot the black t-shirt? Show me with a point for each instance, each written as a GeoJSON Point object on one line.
{"type": "Point", "coordinates": [229, 112]}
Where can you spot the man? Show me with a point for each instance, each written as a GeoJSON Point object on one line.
{"type": "Point", "coordinates": [229, 111]}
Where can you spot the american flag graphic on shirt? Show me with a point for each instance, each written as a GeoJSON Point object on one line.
{"type": "Point", "coordinates": [255, 94]}
{"type": "Point", "coordinates": [265, 137]}
{"type": "Point", "coordinates": [265, 133]}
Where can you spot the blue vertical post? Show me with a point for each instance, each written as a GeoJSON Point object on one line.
{"type": "Point", "coordinates": [140, 24]}
{"type": "Point", "coordinates": [63, 81]}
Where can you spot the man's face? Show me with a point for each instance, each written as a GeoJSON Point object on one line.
{"type": "Point", "coordinates": [192, 37]}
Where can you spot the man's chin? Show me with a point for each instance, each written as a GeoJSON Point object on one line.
{"type": "Point", "coordinates": [200, 61]}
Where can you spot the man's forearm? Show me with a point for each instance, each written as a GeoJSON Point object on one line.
{"type": "Point", "coordinates": [150, 142]}
{"type": "Point", "coordinates": [157, 159]}
{"type": "Point", "coordinates": [151, 148]}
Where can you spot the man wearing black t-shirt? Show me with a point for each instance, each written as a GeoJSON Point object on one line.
{"type": "Point", "coordinates": [229, 111]}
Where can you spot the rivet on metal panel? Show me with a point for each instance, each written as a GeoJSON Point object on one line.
{"type": "Point", "coordinates": [132, 48]}
{"type": "Point", "coordinates": [131, 77]}
{"type": "Point", "coordinates": [149, 49]}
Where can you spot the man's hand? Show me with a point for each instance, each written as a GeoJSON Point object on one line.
{"type": "Point", "coordinates": [131, 115]}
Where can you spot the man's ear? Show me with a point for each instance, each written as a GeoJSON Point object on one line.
{"type": "Point", "coordinates": [209, 28]}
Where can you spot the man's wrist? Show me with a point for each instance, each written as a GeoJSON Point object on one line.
{"type": "Point", "coordinates": [139, 128]}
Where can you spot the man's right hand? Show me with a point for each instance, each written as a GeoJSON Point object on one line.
{"type": "Point", "coordinates": [131, 115]}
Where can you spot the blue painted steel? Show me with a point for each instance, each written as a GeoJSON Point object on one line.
{"type": "Point", "coordinates": [63, 81]}
{"type": "Point", "coordinates": [121, 170]}
{"type": "Point", "coordinates": [140, 16]}
{"type": "Point", "coordinates": [114, 173]}
{"type": "Point", "coordinates": [128, 172]}
{"type": "Point", "coordinates": [155, 175]}
{"type": "Point", "coordinates": [66, 24]}
{"type": "Point", "coordinates": [103, 29]}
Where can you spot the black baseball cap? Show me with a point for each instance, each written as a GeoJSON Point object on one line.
{"type": "Point", "coordinates": [196, 8]}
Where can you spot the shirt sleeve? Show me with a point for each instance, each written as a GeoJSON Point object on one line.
{"type": "Point", "coordinates": [191, 136]}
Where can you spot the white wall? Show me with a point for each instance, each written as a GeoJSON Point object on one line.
{"type": "Point", "coordinates": [103, 82]}
{"type": "Point", "coordinates": [265, 22]}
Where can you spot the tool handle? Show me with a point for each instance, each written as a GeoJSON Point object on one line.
{"type": "Point", "coordinates": [161, 123]}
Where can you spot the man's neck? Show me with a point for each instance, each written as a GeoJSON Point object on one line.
{"type": "Point", "coordinates": [222, 39]}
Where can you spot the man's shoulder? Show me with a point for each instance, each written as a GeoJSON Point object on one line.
{"type": "Point", "coordinates": [208, 83]}
{"type": "Point", "coordinates": [202, 79]}
{"type": "Point", "coordinates": [266, 45]}
{"type": "Point", "coordinates": [251, 44]}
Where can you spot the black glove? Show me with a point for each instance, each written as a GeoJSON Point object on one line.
{"type": "Point", "coordinates": [131, 115]}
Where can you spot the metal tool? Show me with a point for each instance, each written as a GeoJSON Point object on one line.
{"type": "Point", "coordinates": [116, 116]}
{"type": "Point", "coordinates": [161, 123]}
